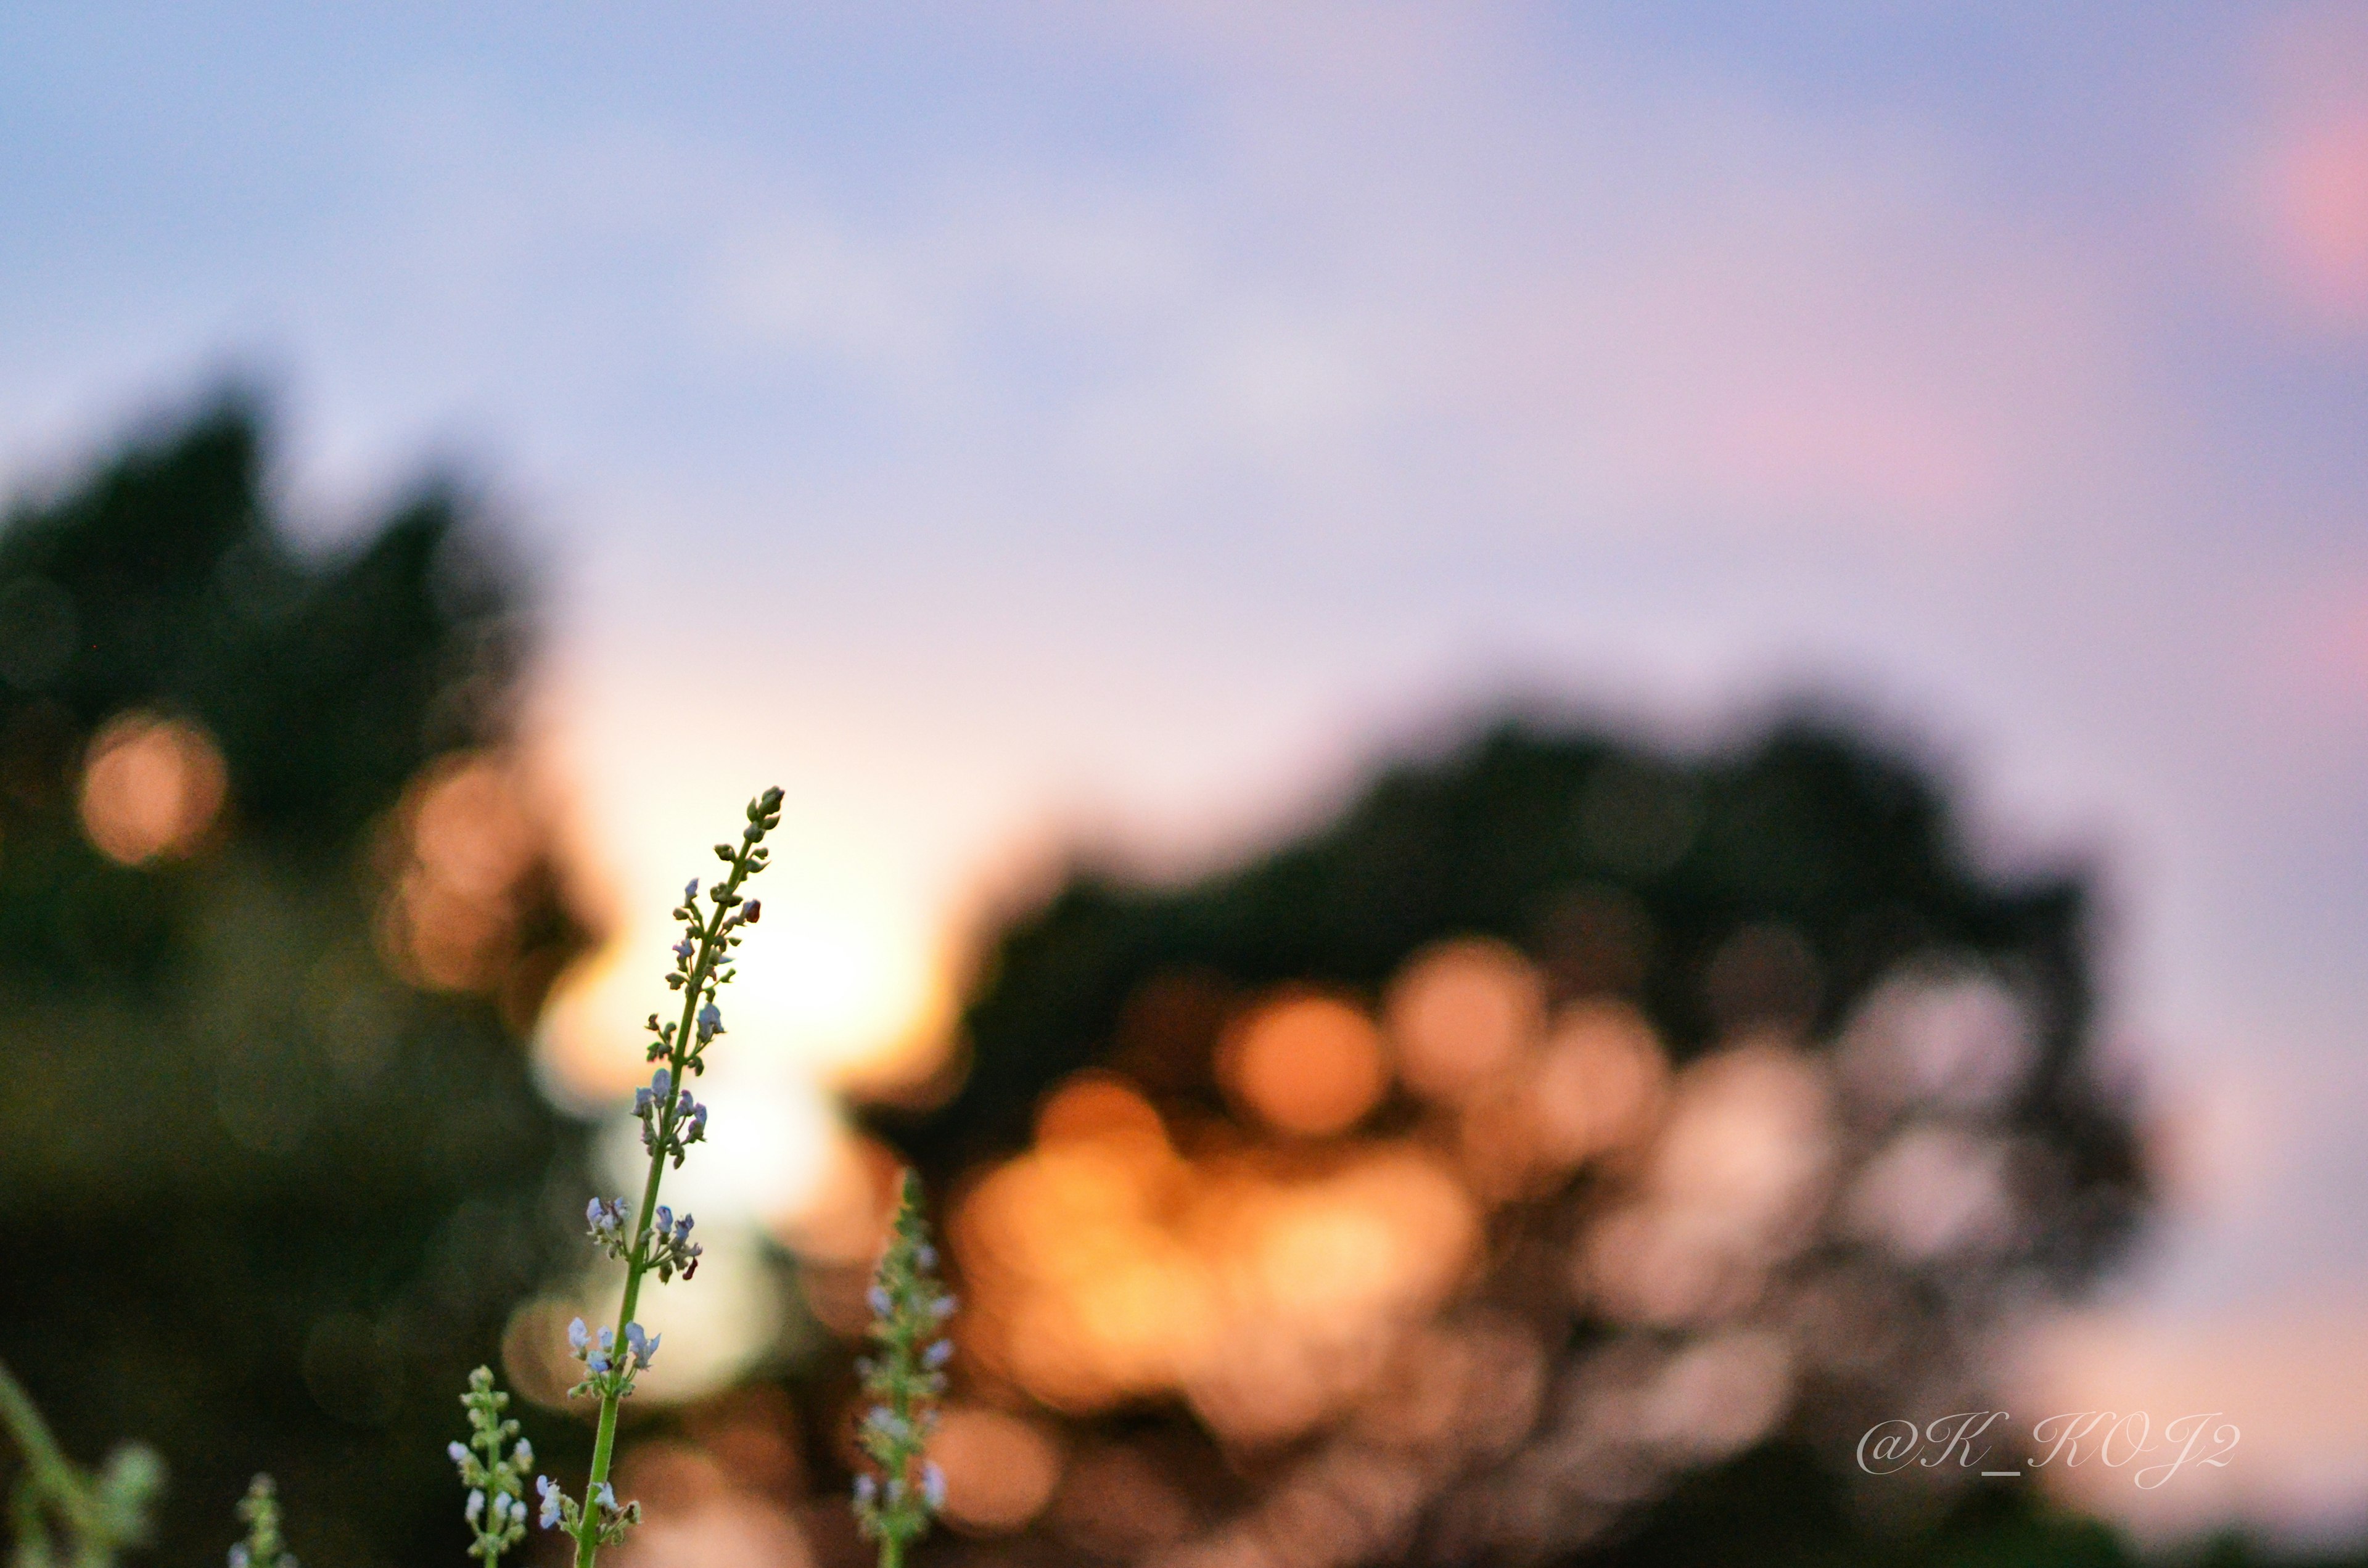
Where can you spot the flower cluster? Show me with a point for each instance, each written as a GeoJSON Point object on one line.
{"type": "Point", "coordinates": [696, 967]}
{"type": "Point", "coordinates": [667, 1248]}
{"type": "Point", "coordinates": [604, 1218]}
{"type": "Point", "coordinates": [609, 1522]}
{"type": "Point", "coordinates": [608, 1374]}
{"type": "Point", "coordinates": [496, 1480]}
{"type": "Point", "coordinates": [671, 1120]}
{"type": "Point", "coordinates": [259, 1509]}
{"type": "Point", "coordinates": [896, 1498]}
{"type": "Point", "coordinates": [671, 1250]}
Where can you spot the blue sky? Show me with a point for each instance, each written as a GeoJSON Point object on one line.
{"type": "Point", "coordinates": [1127, 420]}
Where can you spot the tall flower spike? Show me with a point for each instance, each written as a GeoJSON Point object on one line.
{"type": "Point", "coordinates": [494, 1465]}
{"type": "Point", "coordinates": [647, 1236]}
{"type": "Point", "coordinates": [896, 1498]}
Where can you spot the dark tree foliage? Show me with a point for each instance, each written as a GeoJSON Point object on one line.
{"type": "Point", "coordinates": [1779, 1507]}
{"type": "Point", "coordinates": [1623, 868]}
{"type": "Point", "coordinates": [1776, 881]}
{"type": "Point", "coordinates": [264, 1202]}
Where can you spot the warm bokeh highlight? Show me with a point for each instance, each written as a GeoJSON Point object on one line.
{"type": "Point", "coordinates": [152, 788]}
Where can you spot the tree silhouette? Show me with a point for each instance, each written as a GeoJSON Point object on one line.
{"type": "Point", "coordinates": [1750, 906]}
{"type": "Point", "coordinates": [275, 1170]}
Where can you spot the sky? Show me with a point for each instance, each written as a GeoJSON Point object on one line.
{"type": "Point", "coordinates": [1015, 427]}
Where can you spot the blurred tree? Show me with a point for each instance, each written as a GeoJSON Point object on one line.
{"type": "Point", "coordinates": [1626, 870]}
{"type": "Point", "coordinates": [1762, 907]}
{"type": "Point", "coordinates": [273, 916]}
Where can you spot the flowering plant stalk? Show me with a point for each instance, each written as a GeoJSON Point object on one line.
{"type": "Point", "coordinates": [895, 1501]}
{"type": "Point", "coordinates": [61, 1516]}
{"type": "Point", "coordinates": [648, 1239]}
{"type": "Point", "coordinates": [496, 1480]}
{"type": "Point", "coordinates": [263, 1548]}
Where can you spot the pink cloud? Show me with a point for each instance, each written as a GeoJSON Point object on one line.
{"type": "Point", "coordinates": [2317, 192]}
{"type": "Point", "coordinates": [2312, 173]}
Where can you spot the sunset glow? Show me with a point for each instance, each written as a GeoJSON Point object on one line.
{"type": "Point", "coordinates": [1078, 452]}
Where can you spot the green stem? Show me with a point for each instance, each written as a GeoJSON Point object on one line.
{"type": "Point", "coordinates": [54, 1473]}
{"type": "Point", "coordinates": [604, 1445]}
